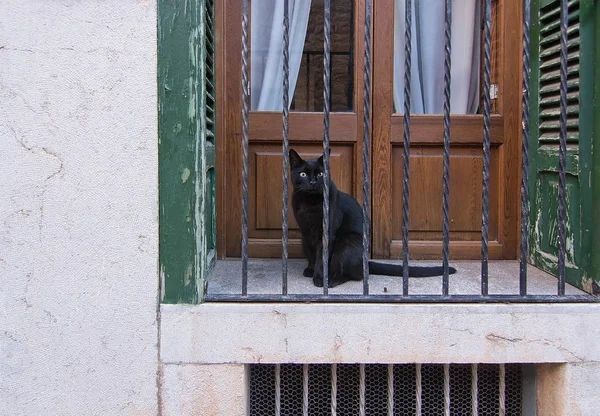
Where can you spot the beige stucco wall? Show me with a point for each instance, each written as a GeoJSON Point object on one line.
{"type": "Point", "coordinates": [78, 207]}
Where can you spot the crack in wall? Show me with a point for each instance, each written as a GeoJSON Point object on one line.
{"type": "Point", "coordinates": [36, 150]}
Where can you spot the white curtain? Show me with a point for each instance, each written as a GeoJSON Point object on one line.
{"type": "Point", "coordinates": [427, 66]}
{"type": "Point", "coordinates": [267, 50]}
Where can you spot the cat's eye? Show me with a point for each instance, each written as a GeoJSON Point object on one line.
{"type": "Point", "coordinates": [303, 174]}
{"type": "Point", "coordinates": [320, 174]}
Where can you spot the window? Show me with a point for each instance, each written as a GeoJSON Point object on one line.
{"type": "Point", "coordinates": [188, 81]}
{"type": "Point", "coordinates": [306, 55]}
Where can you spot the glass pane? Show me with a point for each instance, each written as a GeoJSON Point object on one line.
{"type": "Point", "coordinates": [306, 55]}
{"type": "Point", "coordinates": [427, 57]}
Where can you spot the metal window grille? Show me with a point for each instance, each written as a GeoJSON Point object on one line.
{"type": "Point", "coordinates": [385, 389]}
{"type": "Point", "coordinates": [444, 296]}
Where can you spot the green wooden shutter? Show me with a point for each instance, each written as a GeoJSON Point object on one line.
{"type": "Point", "coordinates": [186, 116]}
{"type": "Point", "coordinates": [545, 109]}
{"type": "Point", "coordinates": [208, 156]}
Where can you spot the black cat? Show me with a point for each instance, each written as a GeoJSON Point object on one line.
{"type": "Point", "coordinates": [345, 229]}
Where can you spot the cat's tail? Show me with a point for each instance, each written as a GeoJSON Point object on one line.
{"type": "Point", "coordinates": [389, 269]}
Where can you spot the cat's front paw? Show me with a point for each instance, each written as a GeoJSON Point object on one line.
{"type": "Point", "coordinates": [318, 282]}
{"type": "Point", "coordinates": [308, 272]}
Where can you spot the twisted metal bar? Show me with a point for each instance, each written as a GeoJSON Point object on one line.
{"type": "Point", "coordinates": [406, 176]}
{"type": "Point", "coordinates": [390, 392]}
{"type": "Point", "coordinates": [362, 391]}
{"type": "Point", "coordinates": [366, 148]}
{"type": "Point", "coordinates": [277, 389]}
{"type": "Point", "coordinates": [333, 389]}
{"type": "Point", "coordinates": [486, 147]}
{"type": "Point", "coordinates": [418, 389]}
{"type": "Point", "coordinates": [245, 110]}
{"type": "Point", "coordinates": [446, 389]}
{"type": "Point", "coordinates": [446, 178]}
{"type": "Point", "coordinates": [562, 156]}
{"type": "Point", "coordinates": [474, 391]}
{"type": "Point", "coordinates": [286, 157]}
{"type": "Point", "coordinates": [326, 110]}
{"type": "Point", "coordinates": [525, 152]}
{"type": "Point", "coordinates": [305, 390]}
{"type": "Point", "coordinates": [501, 390]}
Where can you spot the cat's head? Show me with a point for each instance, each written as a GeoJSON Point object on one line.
{"type": "Point", "coordinates": [307, 174]}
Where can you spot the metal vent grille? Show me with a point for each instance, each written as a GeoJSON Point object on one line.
{"type": "Point", "coordinates": [379, 389]}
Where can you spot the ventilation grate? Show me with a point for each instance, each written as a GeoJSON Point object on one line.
{"type": "Point", "coordinates": [376, 389]}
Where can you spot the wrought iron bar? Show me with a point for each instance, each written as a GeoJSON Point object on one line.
{"type": "Point", "coordinates": [390, 393]}
{"type": "Point", "coordinates": [305, 390]}
{"type": "Point", "coordinates": [446, 177]}
{"type": "Point", "coordinates": [446, 389]}
{"type": "Point", "coordinates": [501, 390]}
{"type": "Point", "coordinates": [562, 156]}
{"type": "Point", "coordinates": [245, 111]}
{"type": "Point", "coordinates": [418, 389]}
{"type": "Point", "coordinates": [486, 146]}
{"type": "Point", "coordinates": [326, 110]}
{"type": "Point", "coordinates": [525, 152]}
{"type": "Point", "coordinates": [474, 391]}
{"type": "Point", "coordinates": [362, 391]}
{"type": "Point", "coordinates": [277, 389]}
{"type": "Point", "coordinates": [286, 157]}
{"type": "Point", "coordinates": [307, 100]}
{"type": "Point", "coordinates": [406, 176]}
{"type": "Point", "coordinates": [342, 298]}
{"type": "Point", "coordinates": [366, 149]}
{"type": "Point", "coordinates": [333, 389]}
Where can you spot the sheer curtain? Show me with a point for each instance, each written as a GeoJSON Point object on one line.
{"type": "Point", "coordinates": [427, 66]}
{"type": "Point", "coordinates": [266, 36]}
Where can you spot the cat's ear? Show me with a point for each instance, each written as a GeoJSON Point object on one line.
{"type": "Point", "coordinates": [320, 159]}
{"type": "Point", "coordinates": [295, 159]}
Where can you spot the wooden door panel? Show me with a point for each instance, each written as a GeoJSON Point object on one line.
{"type": "Point", "coordinates": [429, 129]}
{"type": "Point", "coordinates": [266, 187]}
{"type": "Point", "coordinates": [425, 225]}
{"type": "Point", "coordinates": [267, 126]}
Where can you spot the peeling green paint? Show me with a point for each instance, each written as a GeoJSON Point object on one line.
{"type": "Point", "coordinates": [594, 174]}
{"type": "Point", "coordinates": [581, 191]}
{"type": "Point", "coordinates": [185, 176]}
{"type": "Point", "coordinates": [187, 277]}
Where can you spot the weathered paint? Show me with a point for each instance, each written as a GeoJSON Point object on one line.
{"type": "Point", "coordinates": [185, 192]}
{"type": "Point", "coordinates": [185, 175]}
{"type": "Point", "coordinates": [595, 154]}
{"type": "Point", "coordinates": [580, 241]}
{"type": "Point", "coordinates": [586, 128]}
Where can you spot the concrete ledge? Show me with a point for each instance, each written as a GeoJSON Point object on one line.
{"type": "Point", "coordinates": [316, 333]}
